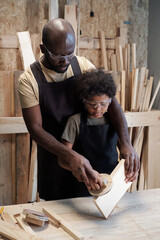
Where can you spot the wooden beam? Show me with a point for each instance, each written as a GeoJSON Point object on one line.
{"type": "Point", "coordinates": [103, 50]}
{"type": "Point", "coordinates": [139, 119]}
{"type": "Point", "coordinates": [10, 125]}
{"type": "Point", "coordinates": [107, 202]}
{"type": "Point", "coordinates": [9, 41]}
{"type": "Point", "coordinates": [26, 49]}
{"type": "Point", "coordinates": [63, 224]}
{"type": "Point", "coordinates": [13, 233]}
{"type": "Point", "coordinates": [53, 9]}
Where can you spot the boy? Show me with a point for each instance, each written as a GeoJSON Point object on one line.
{"type": "Point", "coordinates": [90, 133]}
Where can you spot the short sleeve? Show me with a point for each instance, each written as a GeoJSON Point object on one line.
{"type": "Point", "coordinates": [71, 130]}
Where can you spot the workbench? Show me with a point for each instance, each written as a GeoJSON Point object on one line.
{"type": "Point", "coordinates": [136, 216]}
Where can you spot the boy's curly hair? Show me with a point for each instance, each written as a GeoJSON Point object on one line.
{"type": "Point", "coordinates": [95, 82]}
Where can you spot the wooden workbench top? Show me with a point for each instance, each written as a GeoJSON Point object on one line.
{"type": "Point", "coordinates": [137, 216]}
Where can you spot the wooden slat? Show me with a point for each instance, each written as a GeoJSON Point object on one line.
{"type": "Point", "coordinates": [32, 183]}
{"type": "Point", "coordinates": [6, 97]}
{"type": "Point", "coordinates": [12, 125]}
{"type": "Point", "coordinates": [70, 14]}
{"type": "Point", "coordinates": [107, 202]}
{"type": "Point", "coordinates": [138, 119]}
{"type": "Point", "coordinates": [11, 41]}
{"type": "Point", "coordinates": [63, 224]}
{"type": "Point", "coordinates": [26, 49]}
{"type": "Point", "coordinates": [114, 62]}
{"type": "Point", "coordinates": [103, 50]}
{"type": "Point", "coordinates": [8, 41]}
{"type": "Point", "coordinates": [53, 9]}
{"type": "Point", "coordinates": [13, 233]}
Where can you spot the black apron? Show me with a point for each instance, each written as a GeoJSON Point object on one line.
{"type": "Point", "coordinates": [57, 101]}
{"type": "Point", "coordinates": [98, 144]}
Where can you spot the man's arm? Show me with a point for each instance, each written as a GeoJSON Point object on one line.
{"type": "Point", "coordinates": [67, 158]}
{"type": "Point", "coordinates": [127, 152]}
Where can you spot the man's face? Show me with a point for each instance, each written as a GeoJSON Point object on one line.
{"type": "Point", "coordinates": [58, 55]}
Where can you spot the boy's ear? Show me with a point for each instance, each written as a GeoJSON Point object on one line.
{"type": "Point", "coordinates": [42, 48]}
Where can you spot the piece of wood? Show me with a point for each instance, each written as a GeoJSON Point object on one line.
{"type": "Point", "coordinates": [70, 14]}
{"type": "Point", "coordinates": [139, 119]}
{"type": "Point", "coordinates": [93, 43]}
{"type": "Point", "coordinates": [12, 125]}
{"type": "Point", "coordinates": [134, 90]}
{"type": "Point", "coordinates": [140, 87]}
{"type": "Point", "coordinates": [119, 63]}
{"type": "Point", "coordinates": [103, 50]}
{"type": "Point", "coordinates": [35, 214]}
{"type": "Point", "coordinates": [53, 9]}
{"type": "Point", "coordinates": [13, 233]}
{"type": "Point", "coordinates": [107, 202]}
{"type": "Point", "coordinates": [34, 221]}
{"type": "Point", "coordinates": [63, 224]}
{"type": "Point", "coordinates": [133, 56]}
{"type": "Point", "coordinates": [24, 225]}
{"type": "Point", "coordinates": [26, 49]}
{"type": "Point", "coordinates": [32, 183]}
{"type": "Point", "coordinates": [123, 79]}
{"type": "Point", "coordinates": [8, 41]}
{"type": "Point", "coordinates": [7, 218]}
{"type": "Point", "coordinates": [114, 62]}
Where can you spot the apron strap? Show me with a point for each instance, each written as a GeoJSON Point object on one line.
{"type": "Point", "coordinates": [75, 66]}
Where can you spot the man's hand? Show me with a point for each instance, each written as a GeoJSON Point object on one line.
{"type": "Point", "coordinates": [80, 168]}
{"type": "Point", "coordinates": [132, 163]}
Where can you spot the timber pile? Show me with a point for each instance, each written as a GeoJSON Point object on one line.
{"type": "Point", "coordinates": [135, 89]}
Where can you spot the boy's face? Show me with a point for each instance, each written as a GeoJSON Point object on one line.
{"type": "Point", "coordinates": [97, 105]}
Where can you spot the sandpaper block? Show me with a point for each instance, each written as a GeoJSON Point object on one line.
{"type": "Point", "coordinates": [106, 203]}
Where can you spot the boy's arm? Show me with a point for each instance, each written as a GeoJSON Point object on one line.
{"type": "Point", "coordinates": [127, 152]}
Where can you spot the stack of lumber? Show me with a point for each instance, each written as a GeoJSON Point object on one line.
{"type": "Point", "coordinates": [137, 87]}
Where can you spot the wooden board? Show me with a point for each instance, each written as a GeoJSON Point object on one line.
{"type": "Point", "coordinates": [107, 202]}
{"type": "Point", "coordinates": [136, 216]}
{"type": "Point", "coordinates": [26, 49]}
{"type": "Point", "coordinates": [14, 233]}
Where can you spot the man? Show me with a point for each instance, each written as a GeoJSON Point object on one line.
{"type": "Point", "coordinates": [48, 98]}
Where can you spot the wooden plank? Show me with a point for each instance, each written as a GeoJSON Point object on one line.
{"type": "Point", "coordinates": [134, 90]}
{"type": "Point", "coordinates": [8, 218]}
{"type": "Point", "coordinates": [123, 79]}
{"type": "Point", "coordinates": [8, 41]}
{"type": "Point", "coordinates": [24, 225]}
{"type": "Point", "coordinates": [5, 141]}
{"type": "Point", "coordinates": [63, 224]}
{"type": "Point", "coordinates": [32, 183]}
{"type": "Point", "coordinates": [107, 202]}
{"type": "Point", "coordinates": [70, 14]}
{"type": "Point", "coordinates": [138, 119]}
{"type": "Point", "coordinates": [53, 9]}
{"type": "Point", "coordinates": [93, 43]}
{"type": "Point", "coordinates": [11, 41]}
{"type": "Point", "coordinates": [133, 56]}
{"type": "Point", "coordinates": [22, 155]}
{"type": "Point", "coordinates": [25, 49]}
{"type": "Point", "coordinates": [13, 233]}
{"type": "Point", "coordinates": [103, 50]}
{"type": "Point", "coordinates": [114, 62]}
{"type": "Point", "coordinates": [153, 157]}
{"type": "Point", "coordinates": [140, 87]}
{"type": "Point", "coordinates": [12, 125]}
